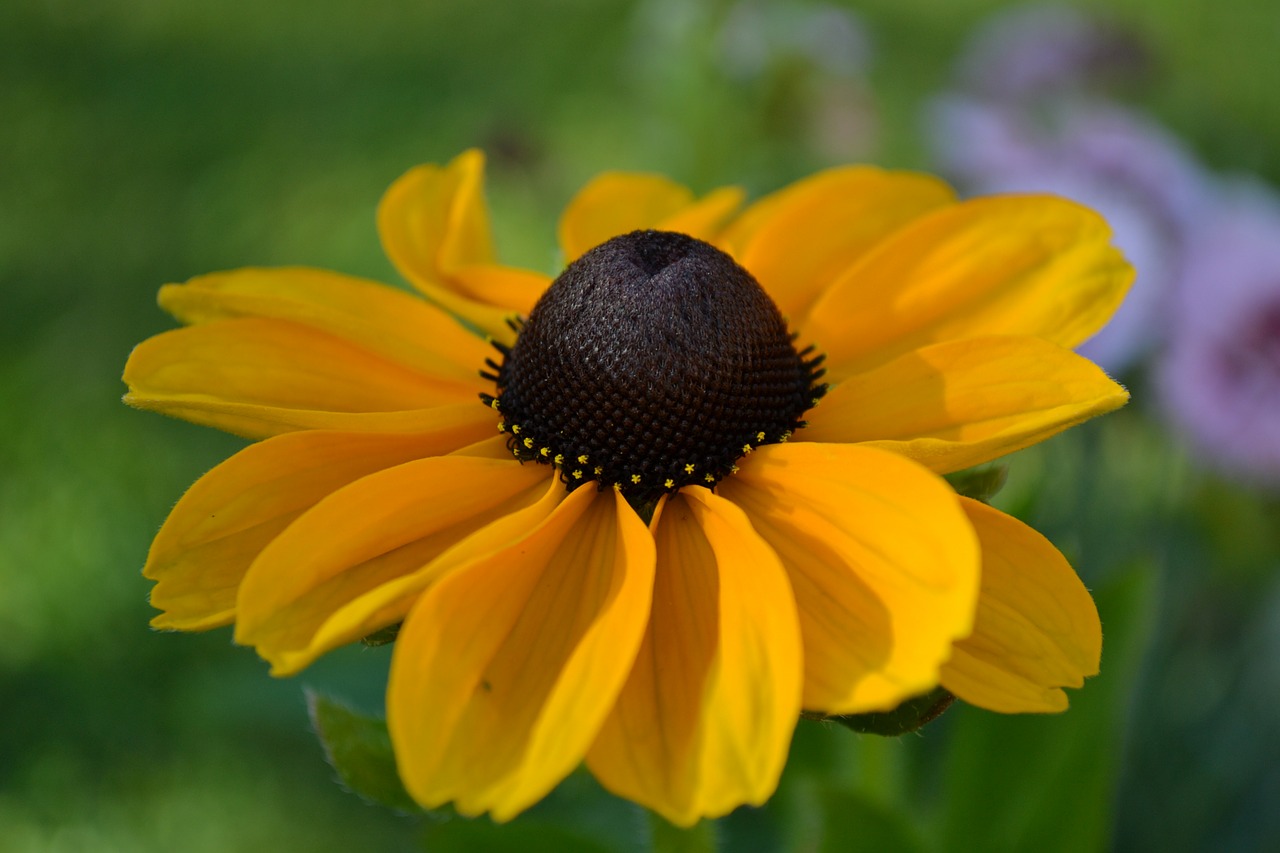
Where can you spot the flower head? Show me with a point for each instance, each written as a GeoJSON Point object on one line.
{"type": "Point", "coordinates": [620, 531]}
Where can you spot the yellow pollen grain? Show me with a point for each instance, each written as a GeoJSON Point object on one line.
{"type": "Point", "coordinates": [688, 468]}
{"type": "Point", "coordinates": [577, 475]}
{"type": "Point", "coordinates": [559, 460]}
{"type": "Point", "coordinates": [494, 404]}
{"type": "Point", "coordinates": [617, 487]}
{"type": "Point", "coordinates": [709, 478]}
{"type": "Point", "coordinates": [733, 470]}
{"type": "Point", "coordinates": [635, 478]}
{"type": "Point", "coordinates": [502, 426]}
{"type": "Point", "coordinates": [546, 451]}
{"type": "Point", "coordinates": [785, 437]}
{"type": "Point", "coordinates": [582, 460]}
{"type": "Point", "coordinates": [528, 442]}
{"type": "Point", "coordinates": [598, 470]}
{"type": "Point", "coordinates": [759, 437]}
{"type": "Point", "coordinates": [668, 483]}
{"type": "Point", "coordinates": [746, 448]}
{"type": "Point", "coordinates": [515, 428]}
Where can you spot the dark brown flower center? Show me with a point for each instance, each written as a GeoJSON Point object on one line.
{"type": "Point", "coordinates": [653, 362]}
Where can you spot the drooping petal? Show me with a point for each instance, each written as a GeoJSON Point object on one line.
{"type": "Point", "coordinates": [883, 562]}
{"type": "Point", "coordinates": [617, 203]}
{"type": "Point", "coordinates": [960, 403]}
{"type": "Point", "coordinates": [257, 377]}
{"type": "Point", "coordinates": [806, 235]}
{"type": "Point", "coordinates": [375, 317]}
{"type": "Point", "coordinates": [434, 226]}
{"type": "Point", "coordinates": [230, 514]}
{"type": "Point", "coordinates": [705, 720]}
{"type": "Point", "coordinates": [356, 561]}
{"type": "Point", "coordinates": [1037, 628]}
{"type": "Point", "coordinates": [1001, 265]}
{"type": "Point", "coordinates": [505, 669]}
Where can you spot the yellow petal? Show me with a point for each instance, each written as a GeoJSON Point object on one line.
{"type": "Point", "coordinates": [1002, 265]}
{"type": "Point", "coordinates": [433, 219]}
{"type": "Point", "coordinates": [230, 514]}
{"type": "Point", "coordinates": [705, 720]}
{"type": "Point", "coordinates": [435, 229]}
{"type": "Point", "coordinates": [1037, 629]}
{"type": "Point", "coordinates": [706, 216]}
{"type": "Point", "coordinates": [505, 669]}
{"type": "Point", "coordinates": [357, 560]}
{"type": "Point", "coordinates": [809, 233]}
{"type": "Point", "coordinates": [381, 319]}
{"type": "Point", "coordinates": [258, 377]}
{"type": "Point", "coordinates": [883, 563]}
{"type": "Point", "coordinates": [617, 203]}
{"type": "Point", "coordinates": [961, 403]}
{"type": "Point", "coordinates": [506, 287]}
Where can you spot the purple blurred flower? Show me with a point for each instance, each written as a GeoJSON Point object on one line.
{"type": "Point", "coordinates": [1020, 120]}
{"type": "Point", "coordinates": [1042, 50]}
{"type": "Point", "coordinates": [1220, 375]}
{"type": "Point", "coordinates": [1101, 155]}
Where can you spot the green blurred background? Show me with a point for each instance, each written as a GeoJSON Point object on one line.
{"type": "Point", "coordinates": [145, 141]}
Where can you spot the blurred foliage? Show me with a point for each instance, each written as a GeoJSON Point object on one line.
{"type": "Point", "coordinates": [146, 141]}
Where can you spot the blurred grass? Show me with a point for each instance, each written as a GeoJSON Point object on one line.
{"type": "Point", "coordinates": [145, 141]}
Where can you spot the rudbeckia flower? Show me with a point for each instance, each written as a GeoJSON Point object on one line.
{"type": "Point", "coordinates": [616, 528]}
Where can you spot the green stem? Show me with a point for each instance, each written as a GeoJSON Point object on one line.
{"type": "Point", "coordinates": [668, 838]}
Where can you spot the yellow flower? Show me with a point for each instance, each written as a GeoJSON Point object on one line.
{"type": "Point", "coordinates": [668, 630]}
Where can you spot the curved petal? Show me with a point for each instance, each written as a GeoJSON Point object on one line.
{"type": "Point", "coordinates": [357, 560]}
{"type": "Point", "coordinates": [883, 563]}
{"type": "Point", "coordinates": [394, 324]}
{"type": "Point", "coordinates": [961, 403]}
{"type": "Point", "coordinates": [434, 225]}
{"type": "Point", "coordinates": [505, 670]}
{"type": "Point", "coordinates": [1037, 629]}
{"type": "Point", "coordinates": [617, 203]}
{"type": "Point", "coordinates": [257, 377]}
{"type": "Point", "coordinates": [807, 234]}
{"type": "Point", "coordinates": [230, 514]}
{"type": "Point", "coordinates": [705, 720]}
{"type": "Point", "coordinates": [1002, 265]}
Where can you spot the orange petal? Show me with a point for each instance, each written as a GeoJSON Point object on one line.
{"type": "Point", "coordinates": [356, 561]}
{"type": "Point", "coordinates": [230, 514]}
{"type": "Point", "coordinates": [705, 720]}
{"type": "Point", "coordinates": [381, 319]}
{"type": "Point", "coordinates": [801, 239]}
{"type": "Point", "coordinates": [1002, 265]}
{"type": "Point", "coordinates": [1037, 629]}
{"type": "Point", "coordinates": [883, 563]}
{"type": "Point", "coordinates": [617, 203]}
{"type": "Point", "coordinates": [435, 229]}
{"type": "Point", "coordinates": [258, 377]}
{"type": "Point", "coordinates": [960, 403]}
{"type": "Point", "coordinates": [505, 669]}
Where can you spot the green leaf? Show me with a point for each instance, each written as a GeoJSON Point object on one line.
{"type": "Point", "coordinates": [382, 636]}
{"type": "Point", "coordinates": [460, 835]}
{"type": "Point", "coordinates": [981, 483]}
{"type": "Point", "coordinates": [855, 824]}
{"type": "Point", "coordinates": [1046, 782]}
{"type": "Point", "coordinates": [359, 749]}
{"type": "Point", "coordinates": [908, 717]}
